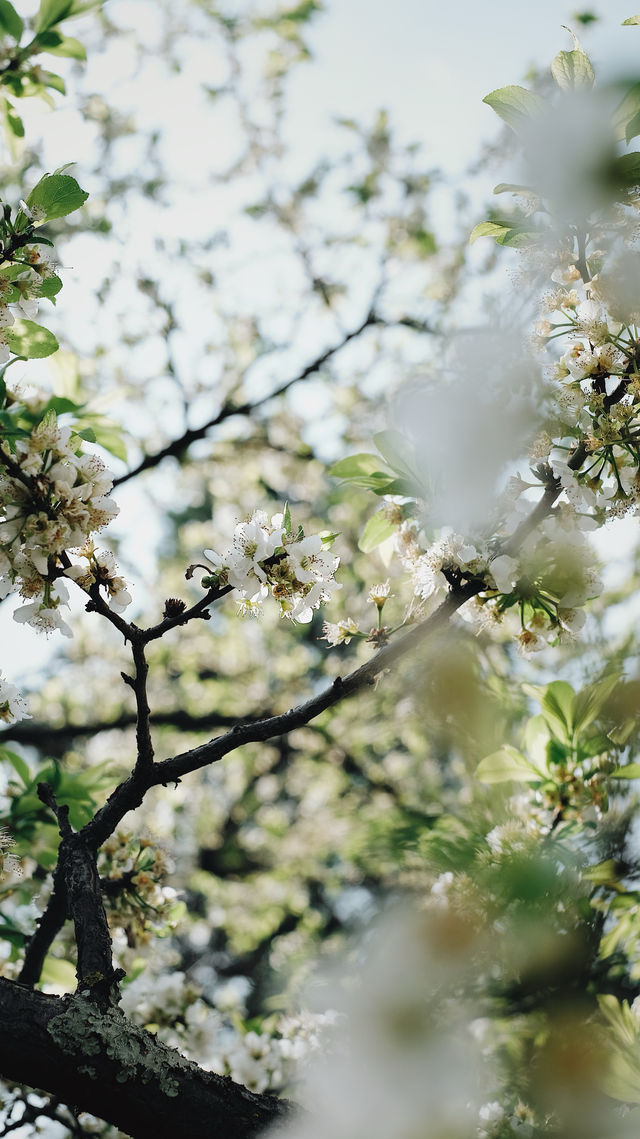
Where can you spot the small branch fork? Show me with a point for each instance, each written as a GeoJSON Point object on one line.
{"type": "Point", "coordinates": [76, 880]}
{"type": "Point", "coordinates": [178, 446]}
{"type": "Point", "coordinates": [73, 888]}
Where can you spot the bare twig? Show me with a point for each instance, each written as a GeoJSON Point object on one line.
{"type": "Point", "coordinates": [229, 409]}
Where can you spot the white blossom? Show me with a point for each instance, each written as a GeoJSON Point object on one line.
{"type": "Point", "coordinates": [13, 706]}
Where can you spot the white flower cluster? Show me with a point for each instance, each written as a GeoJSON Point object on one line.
{"type": "Point", "coordinates": [28, 283]}
{"type": "Point", "coordinates": [260, 1061]}
{"type": "Point", "coordinates": [9, 864]}
{"type": "Point", "coordinates": [268, 558]}
{"type": "Point", "coordinates": [52, 498]}
{"type": "Point", "coordinates": [450, 550]}
{"type": "Point", "coordinates": [13, 707]}
{"type": "Point", "coordinates": [265, 1062]}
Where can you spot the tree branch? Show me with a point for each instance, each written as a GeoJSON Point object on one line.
{"type": "Point", "coordinates": [77, 870]}
{"type": "Point", "coordinates": [131, 792]}
{"type": "Point", "coordinates": [229, 409]}
{"type": "Point", "coordinates": [100, 1062]}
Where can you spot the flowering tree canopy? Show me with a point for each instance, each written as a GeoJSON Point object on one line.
{"type": "Point", "coordinates": [440, 742]}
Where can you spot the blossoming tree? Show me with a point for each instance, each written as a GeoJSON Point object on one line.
{"type": "Point", "coordinates": [144, 960]}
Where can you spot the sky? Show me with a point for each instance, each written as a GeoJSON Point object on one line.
{"type": "Point", "coordinates": [430, 64]}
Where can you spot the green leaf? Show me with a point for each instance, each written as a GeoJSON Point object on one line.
{"type": "Point", "coordinates": [507, 764]}
{"type": "Point", "coordinates": [69, 47]}
{"type": "Point", "coordinates": [51, 12]}
{"type": "Point", "coordinates": [10, 21]}
{"type": "Point", "coordinates": [31, 340]}
{"type": "Point", "coordinates": [626, 111]}
{"type": "Point", "coordinates": [631, 20]}
{"type": "Point", "coordinates": [629, 771]}
{"type": "Point", "coordinates": [13, 120]}
{"type": "Point", "coordinates": [510, 235]}
{"type": "Point", "coordinates": [50, 79]}
{"type": "Point", "coordinates": [487, 229]}
{"type": "Point", "coordinates": [109, 436]}
{"type": "Point", "coordinates": [385, 485]}
{"type": "Point", "coordinates": [627, 168]}
{"type": "Point", "coordinates": [286, 519]}
{"type": "Point", "coordinates": [78, 7]}
{"type": "Point", "coordinates": [621, 733]}
{"type": "Point", "coordinates": [633, 128]}
{"type": "Point", "coordinates": [50, 287]}
{"type": "Point", "coordinates": [591, 700]}
{"type": "Point", "coordinates": [59, 972]}
{"type": "Point", "coordinates": [515, 105]}
{"type": "Point", "coordinates": [513, 188]}
{"type": "Point", "coordinates": [536, 738]}
{"type": "Point", "coordinates": [558, 708]}
{"type": "Point", "coordinates": [572, 70]}
{"type": "Point", "coordinates": [557, 702]}
{"type": "Point", "coordinates": [394, 448]}
{"type": "Point", "coordinates": [18, 764]}
{"type": "Point", "coordinates": [377, 530]}
{"type": "Point", "coordinates": [56, 195]}
{"type": "Point", "coordinates": [357, 466]}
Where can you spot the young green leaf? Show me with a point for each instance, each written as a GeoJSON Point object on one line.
{"type": "Point", "coordinates": [487, 229]}
{"type": "Point", "coordinates": [515, 105]}
{"type": "Point", "coordinates": [51, 12]}
{"type": "Point", "coordinates": [395, 449]}
{"type": "Point", "coordinates": [18, 764]}
{"type": "Point", "coordinates": [625, 113]}
{"type": "Point", "coordinates": [631, 20]}
{"type": "Point", "coordinates": [10, 22]}
{"type": "Point", "coordinates": [507, 764]}
{"type": "Point", "coordinates": [69, 47]}
{"type": "Point", "coordinates": [629, 771]}
{"type": "Point", "coordinates": [377, 530]}
{"type": "Point", "coordinates": [31, 340]}
{"type": "Point", "coordinates": [356, 466]}
{"type": "Point", "coordinates": [591, 700]}
{"type": "Point", "coordinates": [572, 70]}
{"type": "Point", "coordinates": [56, 195]}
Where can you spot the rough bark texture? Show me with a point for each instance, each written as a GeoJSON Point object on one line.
{"type": "Point", "coordinates": [101, 1063]}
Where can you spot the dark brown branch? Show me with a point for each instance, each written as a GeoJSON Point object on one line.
{"type": "Point", "coordinates": [76, 875]}
{"type": "Point", "coordinates": [131, 792]}
{"type": "Point", "coordinates": [143, 729]}
{"type": "Point", "coordinates": [180, 445]}
{"type": "Point", "coordinates": [53, 735]}
{"type": "Point", "coordinates": [101, 1063]}
{"type": "Point", "coordinates": [49, 925]}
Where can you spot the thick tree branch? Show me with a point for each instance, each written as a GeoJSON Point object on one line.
{"type": "Point", "coordinates": [103, 1064]}
{"type": "Point", "coordinates": [78, 874]}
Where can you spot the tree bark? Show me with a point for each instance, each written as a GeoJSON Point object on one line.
{"type": "Point", "coordinates": [100, 1062]}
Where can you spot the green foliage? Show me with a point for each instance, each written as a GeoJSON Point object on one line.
{"type": "Point", "coordinates": [56, 195]}
{"type": "Point", "coordinates": [10, 21]}
{"type": "Point", "coordinates": [31, 340]}
{"type": "Point", "coordinates": [572, 70]}
{"type": "Point", "coordinates": [515, 105]}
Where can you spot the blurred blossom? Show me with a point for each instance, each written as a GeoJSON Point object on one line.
{"type": "Point", "coordinates": [400, 1070]}
{"type": "Point", "coordinates": [470, 426]}
{"type": "Point", "coordinates": [617, 285]}
{"type": "Point", "coordinates": [569, 150]}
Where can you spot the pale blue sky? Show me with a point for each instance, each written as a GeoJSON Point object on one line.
{"type": "Point", "coordinates": [433, 62]}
